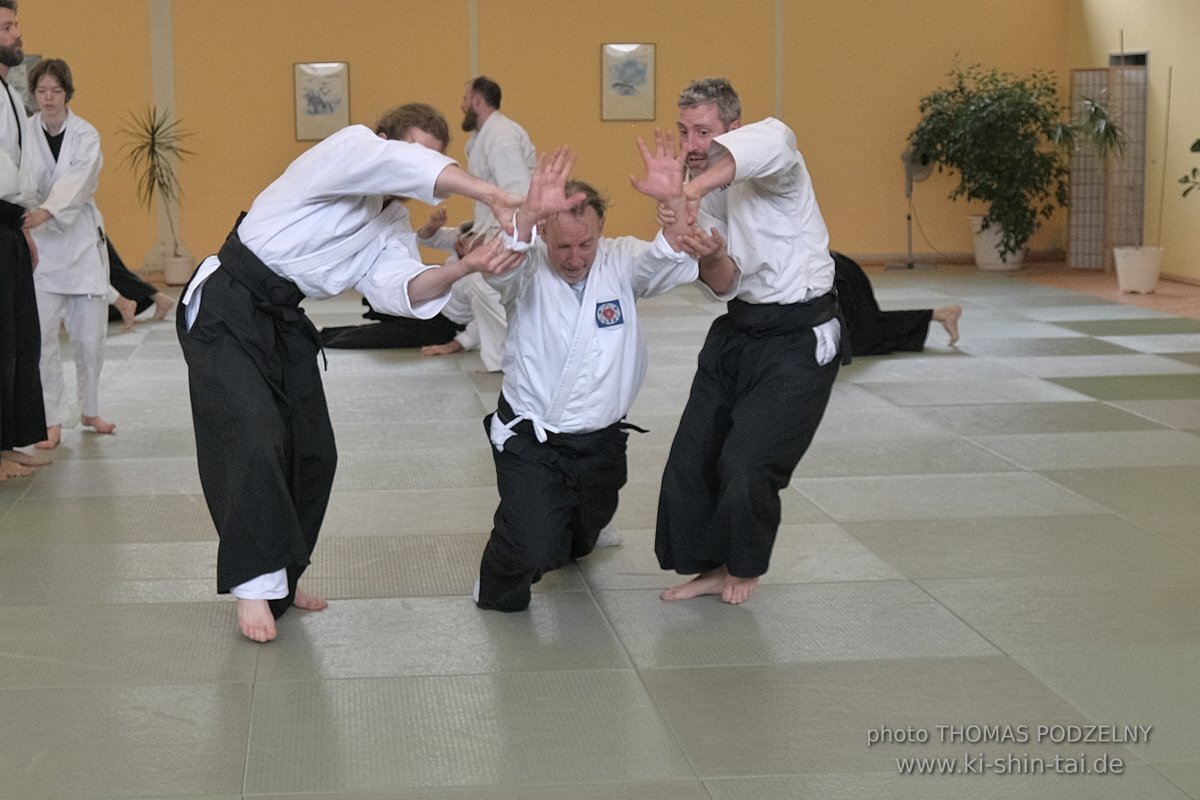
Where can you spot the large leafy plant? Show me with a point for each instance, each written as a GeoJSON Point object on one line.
{"type": "Point", "coordinates": [1007, 137]}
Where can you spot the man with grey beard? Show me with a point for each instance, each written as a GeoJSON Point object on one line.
{"type": "Point", "coordinates": [22, 413]}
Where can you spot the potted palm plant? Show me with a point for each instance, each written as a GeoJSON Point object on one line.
{"type": "Point", "coordinates": [1007, 137]}
{"type": "Point", "coordinates": [153, 150]}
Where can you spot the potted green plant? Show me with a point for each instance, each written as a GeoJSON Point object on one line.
{"type": "Point", "coordinates": [153, 150]}
{"type": "Point", "coordinates": [1138, 268]}
{"type": "Point", "coordinates": [1191, 181]}
{"type": "Point", "coordinates": [1007, 137]}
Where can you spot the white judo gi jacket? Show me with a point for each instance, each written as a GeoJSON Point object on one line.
{"type": "Point", "coordinates": [769, 217]}
{"type": "Point", "coordinates": [772, 225]}
{"type": "Point", "coordinates": [571, 366]}
{"type": "Point", "coordinates": [16, 136]}
{"type": "Point", "coordinates": [502, 154]}
{"type": "Point", "coordinates": [72, 255]}
{"type": "Point", "coordinates": [324, 226]}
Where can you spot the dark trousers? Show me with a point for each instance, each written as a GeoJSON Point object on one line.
{"type": "Point", "coordinates": [128, 285]}
{"type": "Point", "coordinates": [554, 499]}
{"type": "Point", "coordinates": [264, 442]}
{"type": "Point", "coordinates": [874, 332]}
{"type": "Point", "coordinates": [22, 408]}
{"type": "Point", "coordinates": [390, 332]}
{"type": "Point", "coordinates": [755, 404]}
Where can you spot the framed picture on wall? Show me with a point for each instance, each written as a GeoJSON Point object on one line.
{"type": "Point", "coordinates": [322, 98]}
{"type": "Point", "coordinates": [626, 81]}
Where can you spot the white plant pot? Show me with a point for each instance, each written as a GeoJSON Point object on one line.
{"type": "Point", "coordinates": [1138, 268]}
{"type": "Point", "coordinates": [177, 270]}
{"type": "Point", "coordinates": [987, 248]}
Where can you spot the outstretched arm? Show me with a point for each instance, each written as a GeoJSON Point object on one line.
{"type": "Point", "coordinates": [455, 180]}
{"type": "Point", "coordinates": [719, 173]}
{"type": "Point", "coordinates": [492, 258]}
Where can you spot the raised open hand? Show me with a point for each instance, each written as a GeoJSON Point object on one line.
{"type": "Point", "coordinates": [664, 168]}
{"type": "Point", "coordinates": [547, 193]}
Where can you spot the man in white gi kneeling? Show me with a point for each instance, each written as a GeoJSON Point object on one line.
{"type": "Point", "coordinates": [575, 359]}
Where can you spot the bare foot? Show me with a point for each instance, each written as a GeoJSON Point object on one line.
{"type": "Point", "coordinates": [738, 590]}
{"type": "Point", "coordinates": [53, 437]}
{"type": "Point", "coordinates": [255, 620]}
{"type": "Point", "coordinates": [949, 316]}
{"type": "Point", "coordinates": [11, 469]}
{"type": "Point", "coordinates": [711, 582]}
{"type": "Point", "coordinates": [308, 602]}
{"type": "Point", "coordinates": [162, 305]}
{"type": "Point", "coordinates": [128, 309]}
{"type": "Point", "coordinates": [27, 459]}
{"type": "Point", "coordinates": [99, 425]}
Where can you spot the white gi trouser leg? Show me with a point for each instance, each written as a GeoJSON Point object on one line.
{"type": "Point", "coordinates": [491, 322]}
{"type": "Point", "coordinates": [52, 310]}
{"type": "Point", "coordinates": [271, 586]}
{"type": "Point", "coordinates": [87, 327]}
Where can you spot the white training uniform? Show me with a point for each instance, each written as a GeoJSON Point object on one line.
{"type": "Point", "coordinates": [501, 153]}
{"type": "Point", "coordinates": [323, 225]}
{"type": "Point", "coordinates": [17, 181]}
{"type": "Point", "coordinates": [575, 364]}
{"type": "Point", "coordinates": [771, 223]}
{"type": "Point", "coordinates": [71, 278]}
{"type": "Point", "coordinates": [475, 304]}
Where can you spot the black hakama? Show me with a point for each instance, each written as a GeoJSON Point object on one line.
{"type": "Point", "coordinates": [555, 497]}
{"type": "Point", "coordinates": [22, 407]}
{"type": "Point", "coordinates": [264, 442]}
{"type": "Point", "coordinates": [874, 332]}
{"type": "Point", "coordinates": [391, 331]}
{"type": "Point", "coordinates": [128, 285]}
{"type": "Point", "coordinates": [755, 404]}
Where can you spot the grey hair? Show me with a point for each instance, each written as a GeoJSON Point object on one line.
{"type": "Point", "coordinates": [717, 91]}
{"type": "Point", "coordinates": [592, 199]}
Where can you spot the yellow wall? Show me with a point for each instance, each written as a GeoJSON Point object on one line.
{"type": "Point", "coordinates": [107, 45]}
{"type": "Point", "coordinates": [1166, 29]}
{"type": "Point", "coordinates": [848, 81]}
{"type": "Point", "coordinates": [854, 72]}
{"type": "Point", "coordinates": [234, 84]}
{"type": "Point", "coordinates": [551, 80]}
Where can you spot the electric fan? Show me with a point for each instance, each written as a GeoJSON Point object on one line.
{"type": "Point", "coordinates": [916, 169]}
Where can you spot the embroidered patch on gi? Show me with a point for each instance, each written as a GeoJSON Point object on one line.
{"type": "Point", "coordinates": [609, 314]}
